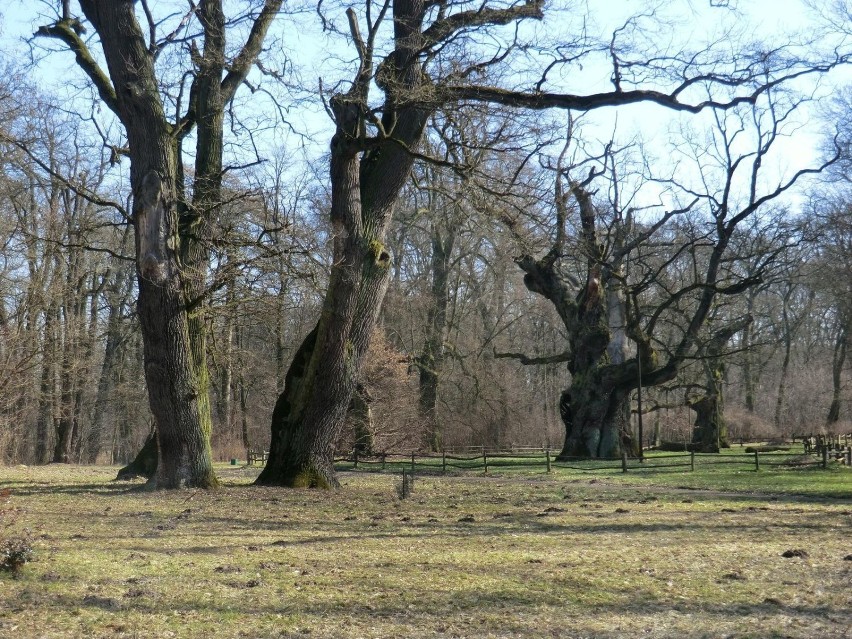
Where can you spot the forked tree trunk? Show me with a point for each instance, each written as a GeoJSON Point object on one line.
{"type": "Point", "coordinates": [596, 406]}
{"type": "Point", "coordinates": [175, 386]}
{"type": "Point", "coordinates": [170, 249]}
{"type": "Point", "coordinates": [365, 184]}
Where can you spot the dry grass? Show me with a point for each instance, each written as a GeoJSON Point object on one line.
{"type": "Point", "coordinates": [463, 557]}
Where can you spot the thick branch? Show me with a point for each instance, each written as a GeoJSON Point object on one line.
{"type": "Point", "coordinates": [445, 28]}
{"type": "Point", "coordinates": [538, 100]}
{"type": "Point", "coordinates": [68, 32]}
{"type": "Point", "coordinates": [242, 64]}
{"type": "Point", "coordinates": [534, 361]}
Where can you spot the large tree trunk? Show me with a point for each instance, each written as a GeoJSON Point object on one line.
{"type": "Point", "coordinates": [318, 389]}
{"type": "Point", "coordinates": [596, 406]}
{"type": "Point", "coordinates": [710, 431]}
{"type": "Point", "coordinates": [170, 235]}
{"type": "Point", "coordinates": [177, 380]}
{"type": "Point", "coordinates": [837, 363]}
{"type": "Point", "coordinates": [431, 359]}
{"type": "Point", "coordinates": [365, 184]}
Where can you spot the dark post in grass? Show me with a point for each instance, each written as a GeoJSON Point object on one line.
{"type": "Point", "coordinates": [624, 460]}
{"type": "Point", "coordinates": [547, 453]}
{"type": "Point", "coordinates": [756, 460]}
{"type": "Point", "coordinates": [485, 460]}
{"type": "Point", "coordinates": [639, 404]}
{"type": "Point", "coordinates": [692, 460]}
{"type": "Point", "coordinates": [444, 461]}
{"type": "Point", "coordinates": [825, 456]}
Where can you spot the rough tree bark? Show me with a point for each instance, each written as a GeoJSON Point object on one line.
{"type": "Point", "coordinates": [596, 407]}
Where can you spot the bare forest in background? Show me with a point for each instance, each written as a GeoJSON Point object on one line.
{"type": "Point", "coordinates": [468, 349]}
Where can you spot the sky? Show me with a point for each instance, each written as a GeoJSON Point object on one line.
{"type": "Point", "coordinates": [691, 20]}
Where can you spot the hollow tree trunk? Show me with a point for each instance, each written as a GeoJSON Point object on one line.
{"type": "Point", "coordinates": [710, 431]}
{"type": "Point", "coordinates": [596, 406]}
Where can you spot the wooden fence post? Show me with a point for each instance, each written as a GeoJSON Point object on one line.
{"type": "Point", "coordinates": [849, 456]}
{"type": "Point", "coordinates": [444, 461]}
{"type": "Point", "coordinates": [547, 452]}
{"type": "Point", "coordinates": [412, 461]}
{"type": "Point", "coordinates": [485, 460]}
{"type": "Point", "coordinates": [825, 456]}
{"type": "Point", "coordinates": [692, 460]}
{"type": "Point", "coordinates": [756, 460]}
{"type": "Point", "coordinates": [624, 460]}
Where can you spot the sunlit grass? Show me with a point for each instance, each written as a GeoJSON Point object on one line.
{"type": "Point", "coordinates": [526, 554]}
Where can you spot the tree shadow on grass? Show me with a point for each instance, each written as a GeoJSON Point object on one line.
{"type": "Point", "coordinates": [530, 613]}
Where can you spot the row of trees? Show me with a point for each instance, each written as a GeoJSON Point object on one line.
{"type": "Point", "coordinates": [463, 180]}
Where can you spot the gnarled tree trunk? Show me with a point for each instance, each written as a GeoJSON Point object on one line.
{"type": "Point", "coordinates": [710, 431]}
{"type": "Point", "coordinates": [365, 184]}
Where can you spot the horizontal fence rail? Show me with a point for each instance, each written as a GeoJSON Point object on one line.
{"type": "Point", "coordinates": [532, 459]}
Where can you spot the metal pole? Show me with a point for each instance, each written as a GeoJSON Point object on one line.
{"type": "Point", "coordinates": [639, 404]}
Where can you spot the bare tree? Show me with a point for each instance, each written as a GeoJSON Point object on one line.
{"type": "Point", "coordinates": [171, 227]}
{"type": "Point", "coordinates": [437, 53]}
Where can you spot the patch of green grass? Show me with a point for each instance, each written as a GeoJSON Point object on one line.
{"type": "Point", "coordinates": [732, 470]}
{"type": "Point", "coordinates": [520, 555]}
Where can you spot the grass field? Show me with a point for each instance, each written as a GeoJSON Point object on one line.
{"type": "Point", "coordinates": [568, 554]}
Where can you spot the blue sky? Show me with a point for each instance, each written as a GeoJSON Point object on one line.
{"type": "Point", "coordinates": [691, 20]}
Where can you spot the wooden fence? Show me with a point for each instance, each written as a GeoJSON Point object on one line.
{"type": "Point", "coordinates": [545, 459]}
